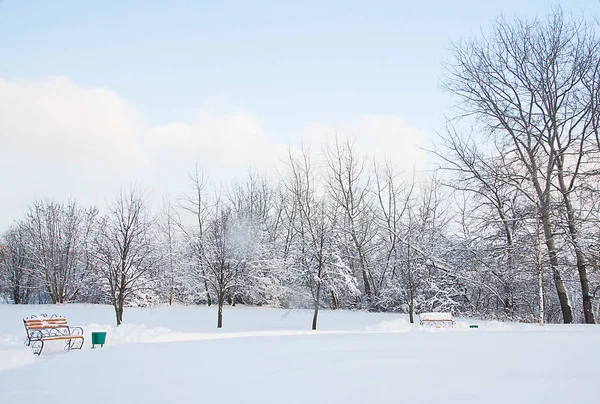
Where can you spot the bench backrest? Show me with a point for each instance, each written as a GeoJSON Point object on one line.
{"type": "Point", "coordinates": [45, 323]}
{"type": "Point", "coordinates": [41, 327]}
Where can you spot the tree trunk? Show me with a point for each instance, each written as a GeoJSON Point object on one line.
{"type": "Point", "coordinates": [16, 295]}
{"type": "Point", "coordinates": [541, 293]}
{"type": "Point", "coordinates": [366, 283]}
{"type": "Point", "coordinates": [220, 311]}
{"type": "Point", "coordinates": [118, 304]}
{"type": "Point", "coordinates": [540, 278]}
{"type": "Point", "coordinates": [119, 313]}
{"type": "Point", "coordinates": [363, 265]}
{"type": "Point", "coordinates": [411, 285]}
{"type": "Point", "coordinates": [208, 298]}
{"type": "Point", "coordinates": [317, 302]}
{"type": "Point", "coordinates": [52, 294]}
{"type": "Point", "coordinates": [561, 291]}
{"type": "Point", "coordinates": [334, 301]}
{"type": "Point", "coordinates": [558, 282]}
{"type": "Point", "coordinates": [588, 311]}
{"type": "Point", "coordinates": [411, 305]}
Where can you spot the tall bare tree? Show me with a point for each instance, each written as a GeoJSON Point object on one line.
{"type": "Point", "coordinates": [393, 197]}
{"type": "Point", "coordinates": [318, 261]}
{"type": "Point", "coordinates": [168, 229]}
{"type": "Point", "coordinates": [496, 209]}
{"type": "Point", "coordinates": [525, 84]}
{"type": "Point", "coordinates": [348, 186]}
{"type": "Point", "coordinates": [196, 203]}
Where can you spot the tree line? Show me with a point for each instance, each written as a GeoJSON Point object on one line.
{"type": "Point", "coordinates": [506, 227]}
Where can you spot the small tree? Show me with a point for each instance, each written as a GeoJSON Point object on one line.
{"type": "Point", "coordinates": [126, 249]}
{"type": "Point", "coordinates": [169, 234]}
{"type": "Point", "coordinates": [56, 236]}
{"type": "Point", "coordinates": [14, 277]}
{"type": "Point", "coordinates": [222, 256]}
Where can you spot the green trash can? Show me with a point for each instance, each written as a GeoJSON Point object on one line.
{"type": "Point", "coordinates": [98, 338]}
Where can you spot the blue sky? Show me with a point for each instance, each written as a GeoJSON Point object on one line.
{"type": "Point", "coordinates": [288, 62]}
{"type": "Point", "coordinates": [278, 68]}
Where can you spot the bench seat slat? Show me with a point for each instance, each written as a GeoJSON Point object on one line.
{"type": "Point", "coordinates": [62, 337]}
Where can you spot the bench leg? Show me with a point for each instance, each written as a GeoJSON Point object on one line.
{"type": "Point", "coordinates": [76, 343]}
{"type": "Point", "coordinates": [37, 346]}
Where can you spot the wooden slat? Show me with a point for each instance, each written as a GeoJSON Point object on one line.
{"type": "Point", "coordinates": [46, 323]}
{"type": "Point", "coordinates": [61, 337]}
{"type": "Point", "coordinates": [42, 323]}
{"type": "Point", "coordinates": [45, 320]}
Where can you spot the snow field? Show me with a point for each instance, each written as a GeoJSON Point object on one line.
{"type": "Point", "coordinates": [264, 355]}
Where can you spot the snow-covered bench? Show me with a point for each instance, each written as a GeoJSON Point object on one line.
{"type": "Point", "coordinates": [436, 319]}
{"type": "Point", "coordinates": [44, 328]}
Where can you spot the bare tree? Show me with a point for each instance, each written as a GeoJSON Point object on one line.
{"type": "Point", "coordinates": [348, 186]}
{"type": "Point", "coordinates": [526, 86]}
{"type": "Point", "coordinates": [252, 199]}
{"type": "Point", "coordinates": [497, 208]}
{"type": "Point", "coordinates": [168, 228]}
{"type": "Point", "coordinates": [196, 203]}
{"type": "Point", "coordinates": [125, 248]}
{"type": "Point", "coordinates": [14, 276]}
{"type": "Point", "coordinates": [393, 201]}
{"type": "Point", "coordinates": [56, 239]}
{"type": "Point", "coordinates": [318, 261]}
{"type": "Point", "coordinates": [223, 256]}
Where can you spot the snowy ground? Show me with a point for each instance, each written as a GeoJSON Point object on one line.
{"type": "Point", "coordinates": [175, 354]}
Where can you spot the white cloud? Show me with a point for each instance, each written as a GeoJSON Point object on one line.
{"type": "Point", "coordinates": [231, 138]}
{"type": "Point", "coordinates": [59, 140]}
{"type": "Point", "coordinates": [380, 136]}
{"type": "Point", "coordinates": [61, 119]}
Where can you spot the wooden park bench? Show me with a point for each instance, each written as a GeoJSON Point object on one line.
{"type": "Point", "coordinates": [436, 319]}
{"type": "Point", "coordinates": [53, 328]}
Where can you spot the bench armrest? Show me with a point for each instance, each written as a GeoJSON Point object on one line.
{"type": "Point", "coordinates": [76, 330]}
{"type": "Point", "coordinates": [35, 335]}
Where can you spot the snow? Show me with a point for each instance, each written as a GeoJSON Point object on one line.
{"type": "Point", "coordinates": [265, 355]}
{"type": "Point", "coordinates": [13, 353]}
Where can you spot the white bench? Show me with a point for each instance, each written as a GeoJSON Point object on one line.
{"type": "Point", "coordinates": [436, 320]}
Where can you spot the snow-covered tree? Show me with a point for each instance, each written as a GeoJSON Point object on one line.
{"type": "Point", "coordinates": [57, 238]}
{"type": "Point", "coordinates": [126, 249]}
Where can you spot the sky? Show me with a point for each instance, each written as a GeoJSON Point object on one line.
{"type": "Point", "coordinates": [95, 96]}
